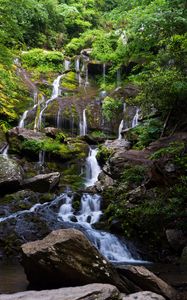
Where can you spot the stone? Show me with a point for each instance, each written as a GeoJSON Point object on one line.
{"type": "Point", "coordinates": [143, 296]}
{"type": "Point", "coordinates": [42, 183]}
{"type": "Point", "coordinates": [67, 258]}
{"type": "Point", "coordinates": [10, 175]}
{"type": "Point", "coordinates": [148, 281]}
{"type": "Point", "coordinates": [176, 238]}
{"type": "Point", "coordinates": [87, 292]}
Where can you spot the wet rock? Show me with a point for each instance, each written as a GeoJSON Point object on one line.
{"type": "Point", "coordinates": [3, 141]}
{"type": "Point", "coordinates": [42, 183]}
{"type": "Point", "coordinates": [10, 175]}
{"type": "Point", "coordinates": [87, 292]}
{"type": "Point", "coordinates": [176, 238]}
{"type": "Point", "coordinates": [143, 296]}
{"type": "Point", "coordinates": [67, 258]}
{"type": "Point", "coordinates": [148, 281]}
{"type": "Point", "coordinates": [52, 132]}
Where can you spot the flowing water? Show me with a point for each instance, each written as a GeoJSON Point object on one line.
{"type": "Point", "coordinates": [92, 168]}
{"type": "Point", "coordinates": [67, 64]}
{"type": "Point", "coordinates": [83, 124]}
{"type": "Point", "coordinates": [135, 118]}
{"type": "Point", "coordinates": [5, 151]}
{"type": "Point", "coordinates": [55, 94]}
{"type": "Point", "coordinates": [121, 125]}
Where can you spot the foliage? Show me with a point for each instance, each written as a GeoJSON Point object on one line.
{"type": "Point", "coordinates": [142, 135]}
{"type": "Point", "coordinates": [111, 108]}
{"type": "Point", "coordinates": [174, 149]}
{"type": "Point", "coordinates": [133, 175]}
{"type": "Point", "coordinates": [42, 60]}
{"type": "Point", "coordinates": [103, 154]}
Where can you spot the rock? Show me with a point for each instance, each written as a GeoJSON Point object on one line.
{"type": "Point", "coordinates": [87, 292]}
{"type": "Point", "coordinates": [10, 175]}
{"type": "Point", "coordinates": [67, 258]}
{"type": "Point", "coordinates": [176, 238]}
{"type": "Point", "coordinates": [51, 132]}
{"type": "Point", "coordinates": [143, 296]}
{"type": "Point", "coordinates": [148, 281]}
{"type": "Point", "coordinates": [184, 256]}
{"type": "Point", "coordinates": [42, 183]}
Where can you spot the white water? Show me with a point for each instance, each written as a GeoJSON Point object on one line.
{"type": "Point", "coordinates": [41, 159]}
{"type": "Point", "coordinates": [86, 75]}
{"type": "Point", "coordinates": [135, 118]}
{"type": "Point", "coordinates": [59, 118]}
{"type": "Point", "coordinates": [55, 94]}
{"type": "Point", "coordinates": [92, 168]}
{"type": "Point", "coordinates": [5, 151]}
{"type": "Point", "coordinates": [23, 118]}
{"type": "Point", "coordinates": [121, 125]}
{"type": "Point", "coordinates": [77, 64]}
{"type": "Point", "coordinates": [67, 65]}
{"type": "Point", "coordinates": [83, 124]}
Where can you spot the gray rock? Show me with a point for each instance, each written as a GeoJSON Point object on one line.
{"type": "Point", "coordinates": [87, 292]}
{"type": "Point", "coordinates": [147, 281]}
{"type": "Point", "coordinates": [42, 183]}
{"type": "Point", "coordinates": [10, 175]}
{"type": "Point", "coordinates": [67, 258]}
{"type": "Point", "coordinates": [176, 238]}
{"type": "Point", "coordinates": [143, 296]}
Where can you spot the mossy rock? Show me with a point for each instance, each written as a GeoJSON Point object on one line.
{"type": "Point", "coordinates": [69, 81]}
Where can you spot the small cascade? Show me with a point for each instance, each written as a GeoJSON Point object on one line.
{"type": "Point", "coordinates": [77, 64]}
{"type": "Point", "coordinates": [92, 168]}
{"type": "Point", "coordinates": [23, 118]}
{"type": "Point", "coordinates": [59, 119]}
{"type": "Point", "coordinates": [41, 159]}
{"type": "Point", "coordinates": [83, 124]}
{"type": "Point", "coordinates": [121, 125]}
{"type": "Point", "coordinates": [55, 94]}
{"type": "Point", "coordinates": [5, 151]}
{"type": "Point", "coordinates": [86, 75]}
{"type": "Point", "coordinates": [118, 75]}
{"type": "Point", "coordinates": [67, 64]}
{"type": "Point", "coordinates": [135, 118]}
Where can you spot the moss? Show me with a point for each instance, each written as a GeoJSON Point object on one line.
{"type": "Point", "coordinates": [69, 81]}
{"type": "Point", "coordinates": [103, 154]}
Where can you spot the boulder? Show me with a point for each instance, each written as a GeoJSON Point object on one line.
{"type": "Point", "coordinates": [176, 238]}
{"type": "Point", "coordinates": [10, 175]}
{"type": "Point", "coordinates": [87, 292]}
{"type": "Point", "coordinates": [143, 296]}
{"type": "Point", "coordinates": [148, 281]}
{"type": "Point", "coordinates": [67, 258]}
{"type": "Point", "coordinates": [42, 183]}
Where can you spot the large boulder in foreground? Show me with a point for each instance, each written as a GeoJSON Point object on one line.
{"type": "Point", "coordinates": [42, 183]}
{"type": "Point", "coordinates": [67, 258]}
{"type": "Point", "coordinates": [148, 281]}
{"type": "Point", "coordinates": [87, 292]}
{"type": "Point", "coordinates": [10, 175]}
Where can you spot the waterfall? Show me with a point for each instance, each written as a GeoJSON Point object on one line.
{"type": "Point", "coordinates": [67, 65]}
{"type": "Point", "coordinates": [135, 118]}
{"type": "Point", "coordinates": [92, 168]}
{"type": "Point", "coordinates": [5, 151]}
{"type": "Point", "coordinates": [77, 64]}
{"type": "Point", "coordinates": [86, 75]}
{"type": "Point", "coordinates": [83, 124]}
{"type": "Point", "coordinates": [121, 125]}
{"type": "Point", "coordinates": [41, 159]}
{"type": "Point", "coordinates": [59, 118]}
{"type": "Point", "coordinates": [108, 244]}
{"type": "Point", "coordinates": [23, 118]}
{"type": "Point", "coordinates": [55, 94]}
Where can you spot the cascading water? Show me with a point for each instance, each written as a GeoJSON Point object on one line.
{"type": "Point", "coordinates": [55, 94]}
{"type": "Point", "coordinates": [59, 118]}
{"type": "Point", "coordinates": [23, 118]}
{"type": "Point", "coordinates": [92, 168]}
{"type": "Point", "coordinates": [121, 125]}
{"type": "Point", "coordinates": [5, 151]}
{"type": "Point", "coordinates": [135, 118]}
{"type": "Point", "coordinates": [83, 124]}
{"type": "Point", "coordinates": [67, 65]}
